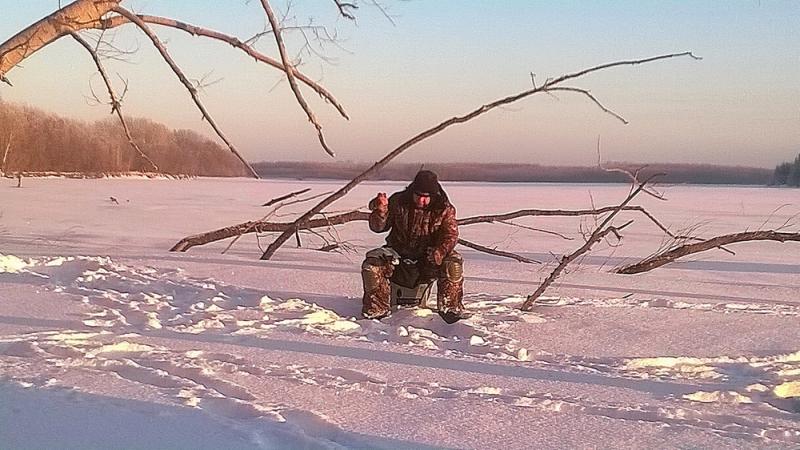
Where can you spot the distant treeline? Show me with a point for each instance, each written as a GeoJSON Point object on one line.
{"type": "Point", "coordinates": [32, 140]}
{"type": "Point", "coordinates": [675, 173]}
{"type": "Point", "coordinates": [787, 174]}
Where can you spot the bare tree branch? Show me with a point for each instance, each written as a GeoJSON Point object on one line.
{"type": "Point", "coordinates": [5, 153]}
{"type": "Point", "coordinates": [697, 247]}
{"type": "Point", "coordinates": [192, 91]}
{"type": "Point", "coordinates": [116, 105]}
{"type": "Point", "coordinates": [592, 98]}
{"type": "Point", "coordinates": [273, 247]}
{"type": "Point", "coordinates": [634, 177]}
{"type": "Point", "coordinates": [538, 230]}
{"type": "Point", "coordinates": [262, 227]}
{"type": "Point", "coordinates": [284, 197]}
{"type": "Point", "coordinates": [72, 17]}
{"type": "Point", "coordinates": [272, 212]}
{"type": "Point", "coordinates": [235, 42]}
{"type": "Point", "coordinates": [633, 62]}
{"type": "Point", "coordinates": [288, 68]}
{"type": "Point", "coordinates": [346, 8]}
{"type": "Point", "coordinates": [599, 233]}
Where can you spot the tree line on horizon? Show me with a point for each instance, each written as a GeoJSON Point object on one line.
{"type": "Point", "coordinates": [787, 173]}
{"type": "Point", "coordinates": [496, 172]}
{"type": "Point", "coordinates": [33, 140]}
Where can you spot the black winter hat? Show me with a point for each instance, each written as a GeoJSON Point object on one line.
{"type": "Point", "coordinates": [426, 181]}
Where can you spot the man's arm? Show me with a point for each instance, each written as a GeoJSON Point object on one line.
{"type": "Point", "coordinates": [447, 236]}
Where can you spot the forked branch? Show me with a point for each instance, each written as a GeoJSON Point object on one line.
{"type": "Point", "coordinates": [599, 233]}
{"type": "Point", "coordinates": [233, 41]}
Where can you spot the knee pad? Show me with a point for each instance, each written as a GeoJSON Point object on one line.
{"type": "Point", "coordinates": [454, 270]}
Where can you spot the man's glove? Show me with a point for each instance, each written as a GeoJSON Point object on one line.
{"type": "Point", "coordinates": [435, 256]}
{"type": "Point", "coordinates": [380, 202]}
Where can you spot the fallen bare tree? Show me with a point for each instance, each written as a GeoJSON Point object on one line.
{"type": "Point", "coordinates": [673, 254]}
{"type": "Point", "coordinates": [265, 226]}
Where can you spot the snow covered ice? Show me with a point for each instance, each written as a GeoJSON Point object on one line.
{"type": "Point", "coordinates": [107, 340]}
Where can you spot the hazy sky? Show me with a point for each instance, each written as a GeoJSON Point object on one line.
{"type": "Point", "coordinates": [739, 105]}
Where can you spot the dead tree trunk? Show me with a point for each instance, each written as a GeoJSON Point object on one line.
{"type": "Point", "coordinates": [5, 154]}
{"type": "Point", "coordinates": [262, 227]}
{"type": "Point", "coordinates": [697, 247]}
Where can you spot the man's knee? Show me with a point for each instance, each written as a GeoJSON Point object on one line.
{"type": "Point", "coordinates": [374, 272]}
{"type": "Point", "coordinates": [453, 267]}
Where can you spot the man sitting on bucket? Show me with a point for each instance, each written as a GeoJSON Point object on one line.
{"type": "Point", "coordinates": [423, 232]}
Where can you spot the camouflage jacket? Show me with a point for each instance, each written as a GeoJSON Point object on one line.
{"type": "Point", "coordinates": [412, 231]}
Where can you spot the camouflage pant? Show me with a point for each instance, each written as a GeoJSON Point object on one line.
{"type": "Point", "coordinates": [378, 268]}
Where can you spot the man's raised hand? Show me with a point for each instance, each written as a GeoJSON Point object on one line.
{"type": "Point", "coordinates": [379, 202]}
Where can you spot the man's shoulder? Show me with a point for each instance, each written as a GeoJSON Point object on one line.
{"type": "Point", "coordinates": [397, 197]}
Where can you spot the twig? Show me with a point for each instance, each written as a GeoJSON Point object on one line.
{"type": "Point", "coordinates": [505, 222]}
{"type": "Point", "coordinates": [592, 98]}
{"type": "Point", "coordinates": [632, 176]}
{"type": "Point", "coordinates": [284, 197]}
{"type": "Point", "coordinates": [345, 9]}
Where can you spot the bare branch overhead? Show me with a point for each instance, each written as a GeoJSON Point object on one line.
{"type": "Point", "coordinates": [289, 69]}
{"type": "Point", "coordinates": [546, 87]}
{"type": "Point", "coordinates": [233, 41]}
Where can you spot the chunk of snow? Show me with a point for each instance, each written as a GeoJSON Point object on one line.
{"type": "Point", "coordinates": [717, 397]}
{"type": "Point", "coordinates": [11, 264]}
{"type": "Point", "coordinates": [476, 341]}
{"type": "Point", "coordinates": [788, 389]}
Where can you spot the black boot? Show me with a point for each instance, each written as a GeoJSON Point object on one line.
{"type": "Point", "coordinates": [452, 316]}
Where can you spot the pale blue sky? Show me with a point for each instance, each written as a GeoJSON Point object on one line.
{"type": "Point", "coordinates": [739, 105]}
